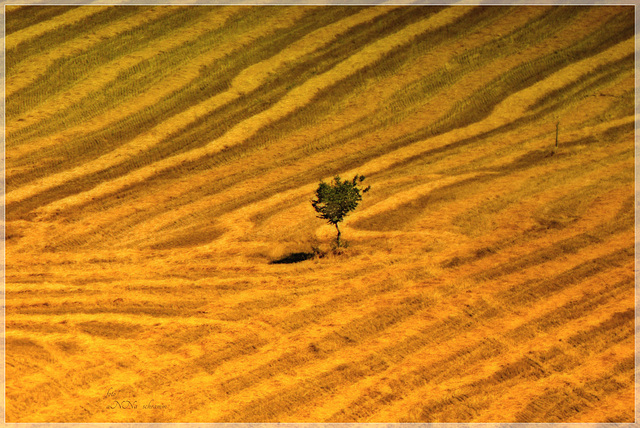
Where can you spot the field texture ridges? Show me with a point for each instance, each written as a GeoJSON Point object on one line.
{"type": "Point", "coordinates": [164, 263]}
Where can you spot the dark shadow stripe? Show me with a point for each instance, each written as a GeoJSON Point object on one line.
{"type": "Point", "coordinates": [259, 141]}
{"type": "Point", "coordinates": [26, 16]}
{"type": "Point", "coordinates": [534, 290]}
{"type": "Point", "coordinates": [562, 404]}
{"type": "Point", "coordinates": [66, 72]}
{"type": "Point", "coordinates": [50, 40]}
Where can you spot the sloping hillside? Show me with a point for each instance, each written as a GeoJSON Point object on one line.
{"type": "Point", "coordinates": [160, 162]}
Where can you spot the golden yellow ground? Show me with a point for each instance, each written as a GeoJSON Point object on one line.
{"type": "Point", "coordinates": [160, 163]}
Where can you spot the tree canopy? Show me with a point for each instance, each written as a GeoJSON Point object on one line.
{"type": "Point", "coordinates": [337, 199]}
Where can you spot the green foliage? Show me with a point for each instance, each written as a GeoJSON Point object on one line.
{"type": "Point", "coordinates": [337, 199]}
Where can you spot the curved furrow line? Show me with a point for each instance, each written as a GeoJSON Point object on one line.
{"type": "Point", "coordinates": [489, 276]}
{"type": "Point", "coordinates": [519, 101]}
{"type": "Point", "coordinates": [351, 334]}
{"type": "Point", "coordinates": [436, 367]}
{"type": "Point", "coordinates": [478, 314]}
{"type": "Point", "coordinates": [623, 221]}
{"type": "Point", "coordinates": [474, 161]}
{"type": "Point", "coordinates": [224, 308]}
{"type": "Point", "coordinates": [348, 335]}
{"type": "Point", "coordinates": [199, 166]}
{"type": "Point", "coordinates": [467, 402]}
{"type": "Point", "coordinates": [113, 306]}
{"type": "Point", "coordinates": [71, 16]}
{"type": "Point", "coordinates": [198, 54]}
{"type": "Point", "coordinates": [431, 378]}
{"type": "Point", "coordinates": [613, 32]}
{"type": "Point", "coordinates": [615, 168]}
{"type": "Point", "coordinates": [298, 95]}
{"type": "Point", "coordinates": [216, 102]}
{"type": "Point", "coordinates": [70, 71]}
{"type": "Point", "coordinates": [204, 218]}
{"type": "Point", "coordinates": [528, 293]}
{"type": "Point", "coordinates": [242, 202]}
{"type": "Point", "coordinates": [71, 40]}
{"type": "Point", "coordinates": [355, 326]}
{"type": "Point", "coordinates": [142, 119]}
{"type": "Point", "coordinates": [590, 84]}
{"type": "Point", "coordinates": [521, 394]}
{"type": "Point", "coordinates": [616, 408]}
{"type": "Point", "coordinates": [20, 17]}
{"type": "Point", "coordinates": [554, 27]}
{"type": "Point", "coordinates": [601, 213]}
{"type": "Point", "coordinates": [169, 335]}
{"type": "Point", "coordinates": [522, 188]}
{"type": "Point", "coordinates": [238, 202]}
{"type": "Point", "coordinates": [564, 403]}
{"type": "Point", "coordinates": [286, 369]}
{"type": "Point", "coordinates": [107, 88]}
{"type": "Point", "coordinates": [252, 78]}
{"type": "Point", "coordinates": [515, 105]}
{"type": "Point", "coordinates": [606, 76]}
{"type": "Point", "coordinates": [481, 219]}
{"type": "Point", "coordinates": [75, 386]}
{"type": "Point", "coordinates": [314, 388]}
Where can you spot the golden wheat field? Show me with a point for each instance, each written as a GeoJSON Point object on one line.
{"type": "Point", "coordinates": [161, 160]}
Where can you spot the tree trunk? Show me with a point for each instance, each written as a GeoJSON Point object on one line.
{"type": "Point", "coordinates": [338, 238]}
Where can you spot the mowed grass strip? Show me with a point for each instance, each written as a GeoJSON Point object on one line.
{"type": "Point", "coordinates": [467, 402]}
{"type": "Point", "coordinates": [55, 37]}
{"type": "Point", "coordinates": [243, 149]}
{"type": "Point", "coordinates": [216, 81]}
{"type": "Point", "coordinates": [537, 29]}
{"type": "Point", "coordinates": [567, 403]}
{"type": "Point", "coordinates": [351, 334]}
{"type": "Point", "coordinates": [359, 153]}
{"type": "Point", "coordinates": [459, 363]}
{"type": "Point", "coordinates": [480, 104]}
{"type": "Point", "coordinates": [247, 345]}
{"type": "Point", "coordinates": [487, 98]}
{"type": "Point", "coordinates": [119, 82]}
{"type": "Point", "coordinates": [496, 252]}
{"type": "Point", "coordinates": [28, 71]}
{"type": "Point", "coordinates": [530, 160]}
{"type": "Point", "coordinates": [286, 401]}
{"type": "Point", "coordinates": [456, 349]}
{"type": "Point", "coordinates": [622, 222]}
{"type": "Point", "coordinates": [470, 319]}
{"type": "Point", "coordinates": [560, 172]}
{"type": "Point", "coordinates": [36, 29]}
{"type": "Point", "coordinates": [68, 71]}
{"type": "Point", "coordinates": [327, 99]}
{"type": "Point", "coordinates": [17, 18]}
{"type": "Point", "coordinates": [573, 400]}
{"type": "Point", "coordinates": [534, 290]}
{"type": "Point", "coordinates": [245, 22]}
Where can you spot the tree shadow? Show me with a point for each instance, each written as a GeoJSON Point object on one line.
{"type": "Point", "coordinates": [292, 258]}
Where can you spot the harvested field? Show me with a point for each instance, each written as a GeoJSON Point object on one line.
{"type": "Point", "coordinates": [164, 263]}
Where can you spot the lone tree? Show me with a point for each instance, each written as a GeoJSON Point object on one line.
{"type": "Point", "coordinates": [337, 199]}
